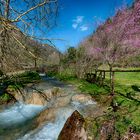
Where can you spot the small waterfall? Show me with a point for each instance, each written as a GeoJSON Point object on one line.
{"type": "Point", "coordinates": [51, 130]}
{"type": "Point", "coordinates": [19, 121]}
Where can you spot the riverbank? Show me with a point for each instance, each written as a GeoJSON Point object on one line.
{"type": "Point", "coordinates": [14, 83]}
{"type": "Point", "coordinates": [34, 121]}
{"type": "Point", "coordinates": [122, 122]}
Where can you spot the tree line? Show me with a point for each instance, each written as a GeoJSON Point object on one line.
{"type": "Point", "coordinates": [115, 43]}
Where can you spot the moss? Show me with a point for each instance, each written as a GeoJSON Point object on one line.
{"type": "Point", "coordinates": [5, 97]}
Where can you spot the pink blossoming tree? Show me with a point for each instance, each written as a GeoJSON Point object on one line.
{"type": "Point", "coordinates": [118, 38]}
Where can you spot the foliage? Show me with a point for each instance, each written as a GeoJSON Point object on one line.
{"type": "Point", "coordinates": [71, 54]}
{"type": "Point", "coordinates": [65, 76]}
{"type": "Point", "coordinates": [116, 41]}
{"type": "Point", "coordinates": [69, 57]}
{"type": "Point", "coordinates": [17, 82]}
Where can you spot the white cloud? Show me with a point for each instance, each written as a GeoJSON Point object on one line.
{"type": "Point", "coordinates": [77, 21]}
{"type": "Point", "coordinates": [74, 25]}
{"type": "Point", "coordinates": [84, 28]}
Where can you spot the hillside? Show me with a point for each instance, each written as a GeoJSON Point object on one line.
{"type": "Point", "coordinates": [20, 52]}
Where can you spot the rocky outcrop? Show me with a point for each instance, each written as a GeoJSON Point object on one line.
{"type": "Point", "coordinates": [40, 97]}
{"type": "Point", "coordinates": [74, 128]}
{"type": "Point", "coordinates": [56, 95]}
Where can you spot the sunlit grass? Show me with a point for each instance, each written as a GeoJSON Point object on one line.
{"type": "Point", "coordinates": [129, 110]}
{"type": "Point", "coordinates": [127, 78]}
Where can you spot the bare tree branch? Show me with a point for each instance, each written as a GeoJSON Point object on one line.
{"type": "Point", "coordinates": [33, 8]}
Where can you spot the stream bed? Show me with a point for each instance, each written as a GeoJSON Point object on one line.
{"type": "Point", "coordinates": [18, 122]}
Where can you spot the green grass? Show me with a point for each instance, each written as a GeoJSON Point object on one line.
{"type": "Point", "coordinates": [124, 81]}
{"type": "Point", "coordinates": [128, 114]}
{"type": "Point", "coordinates": [129, 109]}
{"type": "Point", "coordinates": [127, 78]}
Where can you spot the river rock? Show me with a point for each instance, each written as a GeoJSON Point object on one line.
{"type": "Point", "coordinates": [30, 98]}
{"type": "Point", "coordinates": [36, 99]}
{"type": "Point", "coordinates": [43, 97]}
{"type": "Point", "coordinates": [48, 115]}
{"type": "Point", "coordinates": [81, 98]}
{"type": "Point", "coordinates": [54, 92]}
{"type": "Point", "coordinates": [74, 128]}
{"type": "Point", "coordinates": [62, 101]}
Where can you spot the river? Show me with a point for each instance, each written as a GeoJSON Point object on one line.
{"type": "Point", "coordinates": [18, 122]}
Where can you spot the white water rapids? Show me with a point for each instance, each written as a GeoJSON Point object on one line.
{"type": "Point", "coordinates": [50, 131]}
{"type": "Point", "coordinates": [17, 122]}
{"type": "Point", "coordinates": [18, 113]}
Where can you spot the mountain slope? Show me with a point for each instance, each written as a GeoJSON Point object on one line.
{"type": "Point", "coordinates": [17, 51]}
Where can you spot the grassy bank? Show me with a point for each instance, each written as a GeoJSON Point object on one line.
{"type": "Point", "coordinates": [127, 99]}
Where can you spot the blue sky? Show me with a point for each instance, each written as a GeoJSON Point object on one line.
{"type": "Point", "coordinates": [78, 18]}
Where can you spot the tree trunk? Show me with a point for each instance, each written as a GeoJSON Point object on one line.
{"type": "Point", "coordinates": [111, 81]}
{"type": "Point", "coordinates": [112, 87]}
{"type": "Point", "coordinates": [35, 63]}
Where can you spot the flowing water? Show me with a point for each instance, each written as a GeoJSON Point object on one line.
{"type": "Point", "coordinates": [18, 121]}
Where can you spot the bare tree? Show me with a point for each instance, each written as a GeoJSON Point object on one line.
{"type": "Point", "coordinates": [19, 19]}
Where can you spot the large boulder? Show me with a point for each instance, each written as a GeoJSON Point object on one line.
{"type": "Point", "coordinates": [74, 128]}
{"type": "Point", "coordinates": [62, 101]}
{"type": "Point", "coordinates": [17, 94]}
